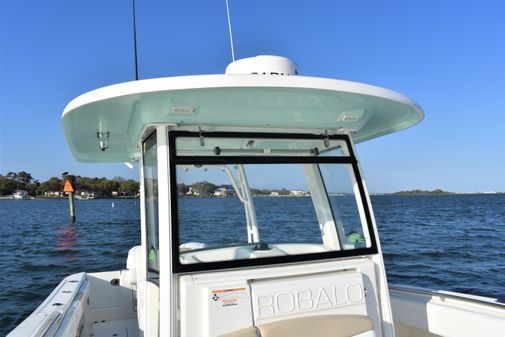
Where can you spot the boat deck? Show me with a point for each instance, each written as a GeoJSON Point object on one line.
{"type": "Point", "coordinates": [119, 328]}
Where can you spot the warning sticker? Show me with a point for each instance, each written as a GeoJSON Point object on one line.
{"type": "Point", "coordinates": [227, 297]}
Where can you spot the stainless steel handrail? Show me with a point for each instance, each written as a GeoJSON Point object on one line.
{"type": "Point", "coordinates": [49, 324]}
{"type": "Point", "coordinates": [448, 295]}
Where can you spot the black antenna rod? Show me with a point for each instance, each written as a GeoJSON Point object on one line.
{"type": "Point", "coordinates": [135, 43]}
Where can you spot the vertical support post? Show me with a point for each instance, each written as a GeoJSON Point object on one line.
{"type": "Point", "coordinates": [142, 297]}
{"type": "Point", "coordinates": [167, 306]}
{"type": "Point", "coordinates": [319, 197]}
{"type": "Point", "coordinates": [384, 299]}
{"type": "Point", "coordinates": [252, 225]}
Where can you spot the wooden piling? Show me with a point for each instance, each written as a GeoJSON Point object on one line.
{"type": "Point", "coordinates": [69, 188]}
{"type": "Point", "coordinates": [72, 207]}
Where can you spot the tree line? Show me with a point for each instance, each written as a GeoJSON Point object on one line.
{"type": "Point", "coordinates": [101, 187]}
{"type": "Point", "coordinates": [206, 189]}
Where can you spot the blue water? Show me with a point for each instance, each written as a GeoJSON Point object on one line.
{"type": "Point", "coordinates": [197, 223]}
{"type": "Point", "coordinates": [445, 242]}
{"type": "Point", "coordinates": [38, 247]}
{"type": "Point", "coordinates": [454, 242]}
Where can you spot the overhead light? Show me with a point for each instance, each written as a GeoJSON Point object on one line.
{"type": "Point", "coordinates": [103, 140]}
{"type": "Point", "coordinates": [350, 118]}
{"type": "Point", "coordinates": [184, 110]}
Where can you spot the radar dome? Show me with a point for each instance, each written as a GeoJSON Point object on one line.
{"type": "Point", "coordinates": [263, 65]}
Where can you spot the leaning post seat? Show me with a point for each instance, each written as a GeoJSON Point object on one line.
{"type": "Point", "coordinates": [312, 326]}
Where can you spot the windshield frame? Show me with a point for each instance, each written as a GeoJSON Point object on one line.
{"type": "Point", "coordinates": [175, 160]}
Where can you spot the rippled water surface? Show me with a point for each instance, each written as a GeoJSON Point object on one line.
{"type": "Point", "coordinates": [445, 242]}
{"type": "Point", "coordinates": [452, 242]}
{"type": "Point", "coordinates": [38, 247]}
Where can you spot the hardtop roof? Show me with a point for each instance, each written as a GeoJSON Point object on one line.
{"type": "Point", "coordinates": [260, 103]}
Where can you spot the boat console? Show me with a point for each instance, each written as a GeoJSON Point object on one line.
{"type": "Point", "coordinates": [255, 214]}
{"type": "Point", "coordinates": [267, 258]}
{"type": "Point", "coordinates": [267, 229]}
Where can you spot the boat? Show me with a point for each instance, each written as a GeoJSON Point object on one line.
{"type": "Point", "coordinates": [20, 195]}
{"type": "Point", "coordinates": [256, 266]}
{"type": "Point", "coordinates": [85, 196]}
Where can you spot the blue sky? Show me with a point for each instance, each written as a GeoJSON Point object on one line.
{"type": "Point", "coordinates": [449, 56]}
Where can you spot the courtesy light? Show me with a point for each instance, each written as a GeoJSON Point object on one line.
{"type": "Point", "coordinates": [103, 140]}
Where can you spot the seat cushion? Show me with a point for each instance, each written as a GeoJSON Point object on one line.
{"type": "Point", "coordinates": [318, 326]}
{"type": "Point", "coordinates": [247, 332]}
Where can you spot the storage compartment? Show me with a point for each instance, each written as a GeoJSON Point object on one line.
{"type": "Point", "coordinates": [213, 304]}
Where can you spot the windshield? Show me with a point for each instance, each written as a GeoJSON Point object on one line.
{"type": "Point", "coordinates": [248, 198]}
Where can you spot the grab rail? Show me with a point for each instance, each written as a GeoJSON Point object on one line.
{"type": "Point", "coordinates": [47, 328]}
{"type": "Point", "coordinates": [493, 302]}
{"type": "Point", "coordinates": [51, 316]}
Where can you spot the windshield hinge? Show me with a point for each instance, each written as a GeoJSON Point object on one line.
{"type": "Point", "coordinates": [200, 131]}
{"type": "Point", "coordinates": [326, 138]}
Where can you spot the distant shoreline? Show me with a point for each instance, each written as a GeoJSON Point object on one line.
{"type": "Point", "coordinates": [9, 197]}
{"type": "Point", "coordinates": [423, 192]}
{"type": "Point", "coordinates": [435, 192]}
{"type": "Point", "coordinates": [400, 193]}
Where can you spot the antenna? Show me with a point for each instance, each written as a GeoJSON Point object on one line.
{"type": "Point", "coordinates": [229, 29]}
{"type": "Point", "coordinates": [135, 43]}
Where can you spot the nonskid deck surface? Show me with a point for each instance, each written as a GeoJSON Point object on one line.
{"type": "Point", "coordinates": [119, 328]}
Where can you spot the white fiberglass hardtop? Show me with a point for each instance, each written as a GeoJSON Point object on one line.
{"type": "Point", "coordinates": [270, 102]}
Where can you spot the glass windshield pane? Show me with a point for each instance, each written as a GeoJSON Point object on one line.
{"type": "Point", "coordinates": [345, 205]}
{"type": "Point", "coordinates": [212, 213]}
{"type": "Point", "coordinates": [216, 146]}
{"type": "Point", "coordinates": [231, 209]}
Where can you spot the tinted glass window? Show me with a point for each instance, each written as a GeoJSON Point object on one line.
{"type": "Point", "coordinates": [150, 161]}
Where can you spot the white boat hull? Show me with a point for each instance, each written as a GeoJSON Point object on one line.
{"type": "Point", "coordinates": [104, 304]}
{"type": "Point", "coordinates": [423, 313]}
{"type": "Point", "coordinates": [85, 305]}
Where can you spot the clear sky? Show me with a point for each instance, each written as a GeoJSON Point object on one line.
{"type": "Point", "coordinates": [449, 56]}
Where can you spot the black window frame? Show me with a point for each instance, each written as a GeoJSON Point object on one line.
{"type": "Point", "coordinates": [175, 160]}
